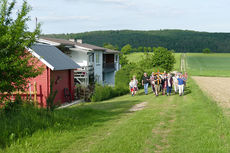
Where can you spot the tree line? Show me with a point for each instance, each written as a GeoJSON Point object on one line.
{"type": "Point", "coordinates": [142, 41]}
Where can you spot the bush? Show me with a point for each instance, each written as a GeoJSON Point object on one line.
{"type": "Point", "coordinates": [206, 51]}
{"type": "Point", "coordinates": [106, 92]}
{"type": "Point", "coordinates": [163, 58]}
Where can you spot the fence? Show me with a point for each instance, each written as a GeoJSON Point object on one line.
{"type": "Point", "coordinates": [32, 94]}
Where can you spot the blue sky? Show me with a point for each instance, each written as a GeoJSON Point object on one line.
{"type": "Point", "coordinates": [73, 16]}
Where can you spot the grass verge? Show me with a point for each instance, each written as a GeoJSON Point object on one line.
{"type": "Point", "coordinates": [192, 123]}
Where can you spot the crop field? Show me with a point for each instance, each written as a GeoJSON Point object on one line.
{"type": "Point", "coordinates": [135, 57]}
{"type": "Point", "coordinates": [208, 64]}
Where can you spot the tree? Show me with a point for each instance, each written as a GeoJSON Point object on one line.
{"type": "Point", "coordinates": [126, 49]}
{"type": "Point", "coordinates": [163, 58]}
{"type": "Point", "coordinates": [149, 49]}
{"type": "Point", "coordinates": [110, 46]}
{"type": "Point", "coordinates": [145, 49]}
{"type": "Point", "coordinates": [206, 50]}
{"type": "Point", "coordinates": [16, 64]}
{"type": "Point", "coordinates": [140, 49]}
{"type": "Point", "coordinates": [123, 60]}
{"type": "Point", "coordinates": [134, 49]}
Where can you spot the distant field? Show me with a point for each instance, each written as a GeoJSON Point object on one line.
{"type": "Point", "coordinates": [208, 64]}
{"type": "Point", "coordinates": [135, 57]}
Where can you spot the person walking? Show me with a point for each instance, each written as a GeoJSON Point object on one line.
{"type": "Point", "coordinates": [135, 82]}
{"type": "Point", "coordinates": [157, 81]}
{"type": "Point", "coordinates": [152, 77]}
{"type": "Point", "coordinates": [131, 87]}
{"type": "Point", "coordinates": [169, 84]}
{"type": "Point", "coordinates": [175, 83]}
{"type": "Point", "coordinates": [180, 85]}
{"type": "Point", "coordinates": [145, 83]}
{"type": "Point", "coordinates": [163, 83]}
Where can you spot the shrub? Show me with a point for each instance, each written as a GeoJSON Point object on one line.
{"type": "Point", "coordinates": [106, 92]}
{"type": "Point", "coordinates": [206, 51]}
{"type": "Point", "coordinates": [50, 99]}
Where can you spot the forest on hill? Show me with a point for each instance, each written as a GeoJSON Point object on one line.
{"type": "Point", "coordinates": [177, 40]}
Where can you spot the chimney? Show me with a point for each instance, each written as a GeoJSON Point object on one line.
{"type": "Point", "coordinates": [72, 40]}
{"type": "Point", "coordinates": [79, 41]}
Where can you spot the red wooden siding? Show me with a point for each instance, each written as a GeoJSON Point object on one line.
{"type": "Point", "coordinates": [62, 79]}
{"type": "Point", "coordinates": [42, 82]}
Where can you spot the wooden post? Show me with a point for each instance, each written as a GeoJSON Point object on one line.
{"type": "Point", "coordinates": [35, 93]}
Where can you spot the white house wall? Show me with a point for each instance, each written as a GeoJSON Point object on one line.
{"type": "Point", "coordinates": [117, 65]}
{"type": "Point", "coordinates": [98, 67]}
{"type": "Point", "coordinates": [109, 78]}
{"type": "Point", "coordinates": [79, 57]}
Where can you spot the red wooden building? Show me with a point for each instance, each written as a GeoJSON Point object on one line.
{"type": "Point", "coordinates": [58, 68]}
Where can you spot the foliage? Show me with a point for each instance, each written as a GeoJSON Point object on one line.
{"type": "Point", "coordinates": [16, 64]}
{"type": "Point", "coordinates": [110, 46]}
{"type": "Point", "coordinates": [9, 106]}
{"type": "Point", "coordinates": [106, 92]}
{"type": "Point", "coordinates": [178, 40]}
{"type": "Point", "coordinates": [126, 49]}
{"type": "Point", "coordinates": [163, 58]}
{"type": "Point", "coordinates": [137, 57]}
{"type": "Point", "coordinates": [123, 59]}
{"type": "Point", "coordinates": [206, 51]}
{"type": "Point", "coordinates": [123, 76]}
{"type": "Point", "coordinates": [50, 99]}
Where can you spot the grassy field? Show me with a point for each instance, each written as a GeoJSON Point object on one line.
{"type": "Point", "coordinates": [135, 57]}
{"type": "Point", "coordinates": [208, 64]}
{"type": "Point", "coordinates": [189, 124]}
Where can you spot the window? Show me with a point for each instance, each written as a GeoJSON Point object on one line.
{"type": "Point", "coordinates": [97, 58]}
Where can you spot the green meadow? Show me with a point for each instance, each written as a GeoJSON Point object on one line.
{"type": "Point", "coordinates": [189, 124]}
{"type": "Point", "coordinates": [208, 64]}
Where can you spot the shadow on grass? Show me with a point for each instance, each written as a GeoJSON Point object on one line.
{"type": "Point", "coordinates": [28, 120]}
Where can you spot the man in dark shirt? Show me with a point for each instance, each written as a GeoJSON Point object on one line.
{"type": "Point", "coordinates": [145, 82]}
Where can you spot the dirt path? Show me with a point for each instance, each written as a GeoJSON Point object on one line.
{"type": "Point", "coordinates": [138, 107]}
{"type": "Point", "coordinates": [217, 88]}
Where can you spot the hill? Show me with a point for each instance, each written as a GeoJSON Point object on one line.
{"type": "Point", "coordinates": [178, 40]}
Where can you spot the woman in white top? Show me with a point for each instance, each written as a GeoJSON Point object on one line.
{"type": "Point", "coordinates": [175, 82]}
{"type": "Point", "coordinates": [135, 83]}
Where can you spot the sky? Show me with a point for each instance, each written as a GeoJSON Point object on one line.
{"type": "Point", "coordinates": [74, 16]}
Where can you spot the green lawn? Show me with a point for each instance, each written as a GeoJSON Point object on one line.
{"type": "Point", "coordinates": [189, 124]}
{"type": "Point", "coordinates": [208, 64]}
{"type": "Point", "coordinates": [135, 57]}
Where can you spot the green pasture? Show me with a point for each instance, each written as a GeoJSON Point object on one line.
{"type": "Point", "coordinates": [135, 57]}
{"type": "Point", "coordinates": [208, 64]}
{"type": "Point", "coordinates": [189, 124]}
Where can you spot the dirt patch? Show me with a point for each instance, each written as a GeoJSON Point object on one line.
{"type": "Point", "coordinates": [138, 107]}
{"type": "Point", "coordinates": [217, 88]}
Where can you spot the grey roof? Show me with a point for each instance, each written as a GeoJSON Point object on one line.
{"type": "Point", "coordinates": [110, 51]}
{"type": "Point", "coordinates": [93, 47]}
{"type": "Point", "coordinates": [85, 45]}
{"type": "Point", "coordinates": [61, 41]}
{"type": "Point", "coordinates": [54, 57]}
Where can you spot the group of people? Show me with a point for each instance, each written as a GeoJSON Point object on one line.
{"type": "Point", "coordinates": [161, 83]}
